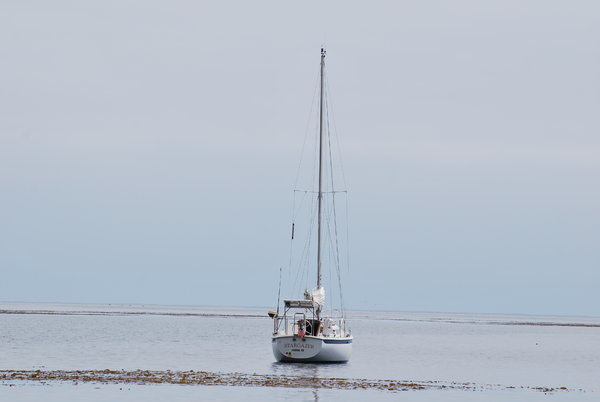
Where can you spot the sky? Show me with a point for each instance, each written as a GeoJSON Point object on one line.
{"type": "Point", "coordinates": [148, 150]}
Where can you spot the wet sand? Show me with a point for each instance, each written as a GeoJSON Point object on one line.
{"type": "Point", "coordinates": [141, 377]}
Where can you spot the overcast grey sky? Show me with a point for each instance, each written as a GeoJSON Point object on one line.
{"type": "Point", "coordinates": [148, 150]}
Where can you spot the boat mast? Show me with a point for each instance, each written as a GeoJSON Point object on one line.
{"type": "Point", "coordinates": [320, 194]}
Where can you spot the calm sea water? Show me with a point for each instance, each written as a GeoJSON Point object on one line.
{"type": "Point", "coordinates": [509, 351]}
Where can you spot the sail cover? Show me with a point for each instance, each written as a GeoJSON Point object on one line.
{"type": "Point", "coordinates": [318, 295]}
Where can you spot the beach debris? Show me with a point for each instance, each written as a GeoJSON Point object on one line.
{"type": "Point", "coordinates": [193, 377]}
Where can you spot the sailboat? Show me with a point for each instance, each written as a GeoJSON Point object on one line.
{"type": "Point", "coordinates": [303, 332]}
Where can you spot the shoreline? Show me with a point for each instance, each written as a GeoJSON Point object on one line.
{"type": "Point", "coordinates": [191, 377]}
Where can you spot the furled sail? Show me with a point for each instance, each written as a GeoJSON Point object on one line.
{"type": "Point", "coordinates": [317, 295]}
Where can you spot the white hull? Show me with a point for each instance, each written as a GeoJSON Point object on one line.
{"type": "Point", "coordinates": [312, 349]}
